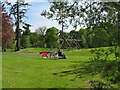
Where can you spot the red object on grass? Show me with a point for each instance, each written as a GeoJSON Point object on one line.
{"type": "Point", "coordinates": [44, 53]}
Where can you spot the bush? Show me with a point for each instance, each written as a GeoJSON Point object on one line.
{"type": "Point", "coordinates": [101, 54]}
{"type": "Point", "coordinates": [110, 67]}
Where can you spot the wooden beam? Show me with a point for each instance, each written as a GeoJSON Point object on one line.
{"type": "Point", "coordinates": [70, 40]}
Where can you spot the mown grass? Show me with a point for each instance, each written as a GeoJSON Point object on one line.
{"type": "Point", "coordinates": [31, 71]}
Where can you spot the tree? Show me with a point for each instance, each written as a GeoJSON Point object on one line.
{"type": "Point", "coordinates": [25, 38]}
{"type": "Point", "coordinates": [60, 11]}
{"type": "Point", "coordinates": [63, 12]}
{"type": "Point", "coordinates": [98, 15]}
{"type": "Point", "coordinates": [35, 39]}
{"type": "Point", "coordinates": [26, 29]}
{"type": "Point", "coordinates": [91, 15]}
{"type": "Point", "coordinates": [18, 11]}
{"type": "Point", "coordinates": [100, 38]}
{"type": "Point", "coordinates": [117, 9]}
{"type": "Point", "coordinates": [25, 41]}
{"type": "Point", "coordinates": [111, 30]}
{"type": "Point", "coordinates": [42, 31]}
{"type": "Point", "coordinates": [7, 29]}
{"type": "Point", "coordinates": [52, 37]}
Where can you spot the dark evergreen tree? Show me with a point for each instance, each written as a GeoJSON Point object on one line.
{"type": "Point", "coordinates": [18, 11]}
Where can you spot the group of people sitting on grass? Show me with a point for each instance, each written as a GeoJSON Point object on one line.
{"type": "Point", "coordinates": [51, 54]}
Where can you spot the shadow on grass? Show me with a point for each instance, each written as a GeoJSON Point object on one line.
{"type": "Point", "coordinates": [84, 68]}
{"type": "Point", "coordinates": [91, 68]}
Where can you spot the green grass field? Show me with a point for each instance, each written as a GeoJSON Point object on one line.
{"type": "Point", "coordinates": [31, 71]}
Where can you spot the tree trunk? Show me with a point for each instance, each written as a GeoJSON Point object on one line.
{"type": "Point", "coordinates": [43, 42]}
{"type": "Point", "coordinates": [3, 49]}
{"type": "Point", "coordinates": [17, 30]}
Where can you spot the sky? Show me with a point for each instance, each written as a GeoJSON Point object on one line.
{"type": "Point", "coordinates": [34, 17]}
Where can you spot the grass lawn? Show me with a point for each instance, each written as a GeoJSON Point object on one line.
{"type": "Point", "coordinates": [30, 71]}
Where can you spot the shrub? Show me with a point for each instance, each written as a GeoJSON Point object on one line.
{"type": "Point", "coordinates": [110, 68]}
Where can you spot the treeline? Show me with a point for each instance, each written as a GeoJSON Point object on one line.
{"type": "Point", "coordinates": [105, 35]}
{"type": "Point", "coordinates": [89, 38]}
{"type": "Point", "coordinates": [41, 38]}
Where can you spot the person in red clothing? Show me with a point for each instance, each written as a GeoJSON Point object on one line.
{"type": "Point", "coordinates": [44, 54]}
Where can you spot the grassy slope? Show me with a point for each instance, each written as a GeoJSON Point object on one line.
{"type": "Point", "coordinates": [30, 71]}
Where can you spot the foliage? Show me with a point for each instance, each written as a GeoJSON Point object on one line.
{"type": "Point", "coordinates": [99, 37]}
{"type": "Point", "coordinates": [26, 29]}
{"type": "Point", "coordinates": [81, 13]}
{"type": "Point", "coordinates": [18, 10]}
{"type": "Point", "coordinates": [102, 54]}
{"type": "Point", "coordinates": [110, 71]}
{"type": "Point", "coordinates": [101, 19]}
{"type": "Point", "coordinates": [52, 37]}
{"type": "Point", "coordinates": [7, 29]}
{"type": "Point", "coordinates": [25, 41]}
{"type": "Point", "coordinates": [41, 31]}
{"type": "Point", "coordinates": [57, 12]}
{"type": "Point", "coordinates": [13, 45]}
{"type": "Point", "coordinates": [111, 30]}
{"type": "Point", "coordinates": [34, 40]}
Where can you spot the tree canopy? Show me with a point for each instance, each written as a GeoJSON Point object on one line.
{"type": "Point", "coordinates": [7, 29]}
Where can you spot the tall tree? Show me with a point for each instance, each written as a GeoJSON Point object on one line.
{"type": "Point", "coordinates": [18, 11]}
{"type": "Point", "coordinates": [7, 29]}
{"type": "Point", "coordinates": [59, 11]}
{"type": "Point", "coordinates": [91, 15]}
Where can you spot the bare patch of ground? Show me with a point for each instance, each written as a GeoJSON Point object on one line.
{"type": "Point", "coordinates": [28, 53]}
